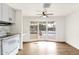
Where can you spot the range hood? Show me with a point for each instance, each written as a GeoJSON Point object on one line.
{"type": "Point", "coordinates": [4, 23]}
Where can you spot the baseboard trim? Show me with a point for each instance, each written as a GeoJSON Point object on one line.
{"type": "Point", "coordinates": [42, 40]}
{"type": "Point", "coordinates": [72, 45]}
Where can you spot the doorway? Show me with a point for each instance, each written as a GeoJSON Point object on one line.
{"type": "Point", "coordinates": [43, 30]}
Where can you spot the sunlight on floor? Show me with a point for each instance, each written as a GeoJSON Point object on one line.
{"type": "Point", "coordinates": [46, 45]}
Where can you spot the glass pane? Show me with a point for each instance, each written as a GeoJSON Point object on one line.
{"type": "Point", "coordinates": [33, 30]}
{"type": "Point", "coordinates": [51, 30]}
{"type": "Point", "coordinates": [42, 30]}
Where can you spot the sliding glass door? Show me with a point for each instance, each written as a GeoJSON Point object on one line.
{"type": "Point", "coordinates": [33, 30]}
{"type": "Point", "coordinates": [51, 30]}
{"type": "Point", "coordinates": [43, 30]}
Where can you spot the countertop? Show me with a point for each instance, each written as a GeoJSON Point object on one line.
{"type": "Point", "coordinates": [8, 36]}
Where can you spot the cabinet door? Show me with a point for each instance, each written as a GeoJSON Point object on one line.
{"type": "Point", "coordinates": [14, 16]}
{"type": "Point", "coordinates": [11, 15]}
{"type": "Point", "coordinates": [0, 47]}
{"type": "Point", "coordinates": [10, 44]}
{"type": "Point", "coordinates": [5, 12]}
{"type": "Point", "coordinates": [0, 11]}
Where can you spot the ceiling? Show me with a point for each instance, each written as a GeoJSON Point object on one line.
{"type": "Point", "coordinates": [58, 9]}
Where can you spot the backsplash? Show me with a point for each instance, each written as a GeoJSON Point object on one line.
{"type": "Point", "coordinates": [5, 28]}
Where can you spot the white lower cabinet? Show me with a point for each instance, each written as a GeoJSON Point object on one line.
{"type": "Point", "coordinates": [0, 47]}
{"type": "Point", "coordinates": [10, 45]}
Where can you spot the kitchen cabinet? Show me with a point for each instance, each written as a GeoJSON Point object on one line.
{"type": "Point", "coordinates": [5, 12]}
{"type": "Point", "coordinates": [12, 14]}
{"type": "Point", "coordinates": [0, 47]}
{"type": "Point", "coordinates": [0, 11]}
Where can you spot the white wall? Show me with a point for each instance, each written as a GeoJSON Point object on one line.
{"type": "Point", "coordinates": [72, 29]}
{"type": "Point", "coordinates": [59, 27]}
{"type": "Point", "coordinates": [26, 29]}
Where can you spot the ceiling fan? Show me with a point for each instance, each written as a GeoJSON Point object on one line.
{"type": "Point", "coordinates": [44, 12]}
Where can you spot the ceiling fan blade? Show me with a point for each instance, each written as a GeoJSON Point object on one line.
{"type": "Point", "coordinates": [39, 14]}
{"type": "Point", "coordinates": [50, 14]}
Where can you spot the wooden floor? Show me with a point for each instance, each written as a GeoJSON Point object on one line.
{"type": "Point", "coordinates": [47, 48]}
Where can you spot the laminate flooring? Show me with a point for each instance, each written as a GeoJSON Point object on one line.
{"type": "Point", "coordinates": [48, 48]}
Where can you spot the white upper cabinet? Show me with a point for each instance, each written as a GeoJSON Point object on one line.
{"type": "Point", "coordinates": [0, 11]}
{"type": "Point", "coordinates": [12, 14]}
{"type": "Point", "coordinates": [5, 12]}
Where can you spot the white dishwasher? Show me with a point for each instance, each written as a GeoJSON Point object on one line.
{"type": "Point", "coordinates": [10, 45]}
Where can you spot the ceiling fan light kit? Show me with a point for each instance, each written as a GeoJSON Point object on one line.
{"type": "Point", "coordinates": [46, 5]}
